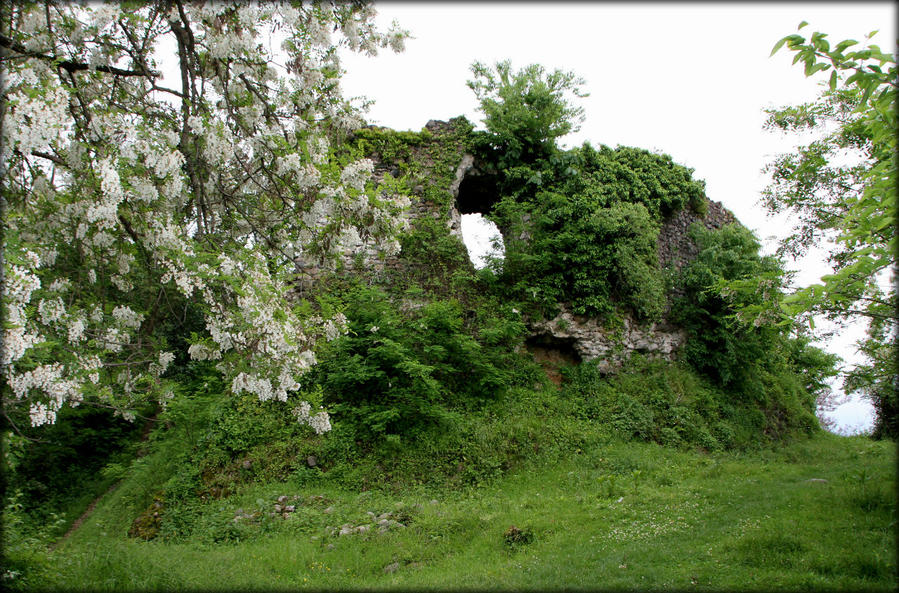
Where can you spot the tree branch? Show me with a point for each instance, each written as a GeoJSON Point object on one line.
{"type": "Point", "coordinates": [49, 157]}
{"type": "Point", "coordinates": [69, 65]}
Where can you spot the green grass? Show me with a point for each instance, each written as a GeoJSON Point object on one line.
{"type": "Point", "coordinates": [616, 516]}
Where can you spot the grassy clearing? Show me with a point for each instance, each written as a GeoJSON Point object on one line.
{"type": "Point", "coordinates": [815, 514]}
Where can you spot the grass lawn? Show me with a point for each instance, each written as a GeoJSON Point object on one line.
{"type": "Point", "coordinates": [815, 514]}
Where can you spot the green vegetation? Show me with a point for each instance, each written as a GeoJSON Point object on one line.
{"type": "Point", "coordinates": [842, 187]}
{"type": "Point", "coordinates": [453, 460]}
{"type": "Point", "coordinates": [814, 514]}
{"type": "Point", "coordinates": [582, 223]}
{"type": "Point", "coordinates": [525, 111]}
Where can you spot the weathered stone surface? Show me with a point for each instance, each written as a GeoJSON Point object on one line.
{"type": "Point", "coordinates": [591, 340]}
{"type": "Point", "coordinates": [674, 245]}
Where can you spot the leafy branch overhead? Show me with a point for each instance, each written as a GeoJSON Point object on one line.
{"type": "Point", "coordinates": [848, 201]}
{"type": "Point", "coordinates": [138, 215]}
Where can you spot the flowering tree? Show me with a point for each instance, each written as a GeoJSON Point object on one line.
{"type": "Point", "coordinates": [127, 198]}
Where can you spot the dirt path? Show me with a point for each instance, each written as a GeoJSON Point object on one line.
{"type": "Point", "coordinates": [90, 508]}
{"type": "Point", "coordinates": [87, 513]}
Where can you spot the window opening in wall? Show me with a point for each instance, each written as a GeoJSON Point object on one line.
{"type": "Point", "coordinates": [482, 239]}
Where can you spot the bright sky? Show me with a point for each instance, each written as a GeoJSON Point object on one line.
{"type": "Point", "coordinates": [689, 80]}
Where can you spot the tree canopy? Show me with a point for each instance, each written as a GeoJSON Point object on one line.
{"type": "Point", "coordinates": [527, 110]}
{"type": "Point", "coordinates": [842, 186]}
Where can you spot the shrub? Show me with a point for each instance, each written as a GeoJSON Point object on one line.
{"type": "Point", "coordinates": [398, 371]}
{"type": "Point", "coordinates": [657, 401]}
{"type": "Point", "coordinates": [526, 110]}
{"type": "Point", "coordinates": [595, 258]}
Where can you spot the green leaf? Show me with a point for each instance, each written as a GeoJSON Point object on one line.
{"type": "Point", "coordinates": [778, 45]}
{"type": "Point", "coordinates": [841, 46]}
{"type": "Point", "coordinates": [833, 81]}
{"type": "Point", "coordinates": [802, 24]}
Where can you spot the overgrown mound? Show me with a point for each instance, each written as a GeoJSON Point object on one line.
{"type": "Point", "coordinates": [432, 383]}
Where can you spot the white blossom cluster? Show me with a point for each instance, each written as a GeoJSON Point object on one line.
{"type": "Point", "coordinates": [273, 344]}
{"type": "Point", "coordinates": [320, 422]}
{"type": "Point", "coordinates": [33, 123]}
{"type": "Point", "coordinates": [18, 286]}
{"type": "Point", "coordinates": [49, 379]}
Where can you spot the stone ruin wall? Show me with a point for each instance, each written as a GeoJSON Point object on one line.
{"type": "Point", "coordinates": [661, 339]}
{"type": "Point", "coordinates": [365, 259]}
{"type": "Point", "coordinates": [588, 338]}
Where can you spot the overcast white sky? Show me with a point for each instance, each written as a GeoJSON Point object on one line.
{"type": "Point", "coordinates": [689, 80]}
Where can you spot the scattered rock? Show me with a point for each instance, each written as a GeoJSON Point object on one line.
{"type": "Point", "coordinates": [345, 530]}
{"type": "Point", "coordinates": [290, 508]}
{"type": "Point", "coordinates": [516, 537]}
{"type": "Point", "coordinates": [392, 567]}
{"type": "Point", "coordinates": [146, 525]}
{"type": "Point", "coordinates": [311, 461]}
{"type": "Point", "coordinates": [328, 510]}
{"type": "Point", "coordinates": [278, 508]}
{"type": "Point", "coordinates": [282, 499]}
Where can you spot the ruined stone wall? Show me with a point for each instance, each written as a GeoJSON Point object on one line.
{"type": "Point", "coordinates": [674, 245]}
{"type": "Point", "coordinates": [365, 259]}
{"type": "Point", "coordinates": [589, 339]}
{"type": "Point", "coordinates": [613, 345]}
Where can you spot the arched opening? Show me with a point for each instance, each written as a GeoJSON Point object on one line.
{"type": "Point", "coordinates": [476, 195]}
{"type": "Point", "coordinates": [482, 239]}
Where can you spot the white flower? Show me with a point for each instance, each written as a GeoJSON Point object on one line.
{"type": "Point", "coordinates": [320, 423]}
{"type": "Point", "coordinates": [60, 285]}
{"type": "Point", "coordinates": [113, 339]}
{"type": "Point", "coordinates": [40, 414]}
{"type": "Point", "coordinates": [32, 258]}
{"type": "Point", "coordinates": [76, 331]}
{"type": "Point", "coordinates": [357, 173]}
{"type": "Point", "coordinates": [126, 317]}
{"type": "Point", "coordinates": [51, 310]}
{"type": "Point", "coordinates": [19, 284]}
{"type": "Point", "coordinates": [105, 13]}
